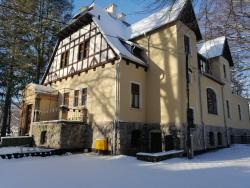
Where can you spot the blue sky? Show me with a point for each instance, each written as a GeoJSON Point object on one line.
{"type": "Point", "coordinates": [129, 7]}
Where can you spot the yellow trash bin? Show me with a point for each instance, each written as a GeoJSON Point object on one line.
{"type": "Point", "coordinates": [101, 144]}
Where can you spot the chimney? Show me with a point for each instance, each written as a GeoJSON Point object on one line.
{"type": "Point", "coordinates": [121, 16]}
{"type": "Point", "coordinates": [112, 9]}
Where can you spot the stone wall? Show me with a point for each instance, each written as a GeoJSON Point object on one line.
{"type": "Point", "coordinates": [239, 136]}
{"type": "Point", "coordinates": [201, 131]}
{"type": "Point", "coordinates": [62, 134]}
{"type": "Point", "coordinates": [17, 141]}
{"type": "Point", "coordinates": [124, 137]}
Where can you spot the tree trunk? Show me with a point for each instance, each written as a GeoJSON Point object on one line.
{"type": "Point", "coordinates": [38, 70]}
{"type": "Point", "coordinates": [7, 103]}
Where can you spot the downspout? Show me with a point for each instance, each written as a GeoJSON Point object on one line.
{"type": "Point", "coordinates": [201, 110]}
{"type": "Point", "coordinates": [117, 106]}
{"type": "Point", "coordinates": [224, 115]}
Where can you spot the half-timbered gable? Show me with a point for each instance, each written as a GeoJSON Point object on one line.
{"type": "Point", "coordinates": [80, 51]}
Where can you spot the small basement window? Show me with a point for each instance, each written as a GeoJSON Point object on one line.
{"type": "Point", "coordinates": [43, 138]}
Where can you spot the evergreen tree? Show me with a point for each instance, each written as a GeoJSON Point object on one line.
{"type": "Point", "coordinates": [27, 36]}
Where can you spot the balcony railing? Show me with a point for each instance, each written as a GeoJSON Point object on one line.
{"type": "Point", "coordinates": [61, 113]}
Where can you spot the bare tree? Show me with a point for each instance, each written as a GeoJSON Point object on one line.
{"type": "Point", "coordinates": [230, 18]}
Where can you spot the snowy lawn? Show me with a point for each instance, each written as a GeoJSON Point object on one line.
{"type": "Point", "coordinates": [227, 168]}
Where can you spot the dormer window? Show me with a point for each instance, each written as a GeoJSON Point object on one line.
{"type": "Point", "coordinates": [83, 50]}
{"type": "Point", "coordinates": [64, 59]}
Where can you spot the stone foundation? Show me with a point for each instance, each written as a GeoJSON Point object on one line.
{"type": "Point", "coordinates": [129, 138]}
{"type": "Point", "coordinates": [124, 137]}
{"type": "Point", "coordinates": [239, 136]}
{"type": "Point", "coordinates": [61, 134]}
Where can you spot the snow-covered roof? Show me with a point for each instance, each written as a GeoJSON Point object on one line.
{"type": "Point", "coordinates": [215, 48]}
{"type": "Point", "coordinates": [114, 31]}
{"type": "Point", "coordinates": [42, 89]}
{"type": "Point", "coordinates": [167, 14]}
{"type": "Point", "coordinates": [212, 48]}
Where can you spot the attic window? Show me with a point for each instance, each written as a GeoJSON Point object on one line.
{"type": "Point", "coordinates": [64, 59]}
{"type": "Point", "coordinates": [83, 50]}
{"type": "Point", "coordinates": [138, 53]}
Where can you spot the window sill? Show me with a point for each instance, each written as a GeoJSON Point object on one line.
{"type": "Point", "coordinates": [213, 114]}
{"type": "Point", "coordinates": [136, 109]}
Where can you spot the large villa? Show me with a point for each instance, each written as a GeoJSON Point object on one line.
{"type": "Point", "coordinates": [142, 87]}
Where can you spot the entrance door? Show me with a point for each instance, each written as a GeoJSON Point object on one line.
{"type": "Point", "coordinates": [169, 142]}
{"type": "Point", "coordinates": [156, 145]}
{"type": "Point", "coordinates": [28, 118]}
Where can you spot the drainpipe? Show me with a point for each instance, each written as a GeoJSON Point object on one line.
{"type": "Point", "coordinates": [117, 106]}
{"type": "Point", "coordinates": [224, 115]}
{"type": "Point", "coordinates": [201, 110]}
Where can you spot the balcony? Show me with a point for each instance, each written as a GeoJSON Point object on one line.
{"type": "Point", "coordinates": [62, 113]}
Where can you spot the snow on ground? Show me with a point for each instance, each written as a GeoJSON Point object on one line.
{"type": "Point", "coordinates": [8, 150]}
{"type": "Point", "coordinates": [229, 168]}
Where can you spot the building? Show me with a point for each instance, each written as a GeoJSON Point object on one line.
{"type": "Point", "coordinates": [132, 85]}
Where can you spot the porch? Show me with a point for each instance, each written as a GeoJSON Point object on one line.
{"type": "Point", "coordinates": [43, 105]}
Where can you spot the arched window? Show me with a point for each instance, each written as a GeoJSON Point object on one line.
{"type": "Point", "coordinates": [219, 137]}
{"type": "Point", "coordinates": [211, 102]}
{"type": "Point", "coordinates": [211, 138]}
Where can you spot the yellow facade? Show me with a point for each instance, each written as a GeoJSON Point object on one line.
{"type": "Point", "coordinates": [100, 86]}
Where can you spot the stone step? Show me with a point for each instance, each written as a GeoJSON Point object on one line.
{"type": "Point", "coordinates": [160, 156]}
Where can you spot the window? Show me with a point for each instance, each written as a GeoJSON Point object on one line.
{"type": "Point", "coordinates": [43, 137]}
{"type": "Point", "coordinates": [225, 71]}
{"type": "Point", "coordinates": [66, 99]}
{"type": "Point", "coordinates": [219, 137]}
{"type": "Point", "coordinates": [228, 109]}
{"type": "Point", "coordinates": [239, 111]}
{"type": "Point", "coordinates": [135, 138]}
{"type": "Point", "coordinates": [76, 97]}
{"type": "Point", "coordinates": [64, 59]}
{"type": "Point", "coordinates": [205, 67]}
{"type": "Point", "coordinates": [211, 102]}
{"type": "Point", "coordinates": [135, 93]}
{"type": "Point", "coordinates": [84, 96]}
{"type": "Point", "coordinates": [83, 50]}
{"type": "Point", "coordinates": [187, 45]}
{"type": "Point", "coordinates": [211, 138]}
